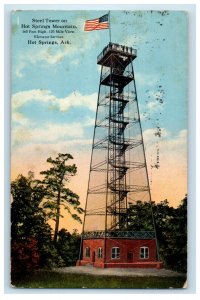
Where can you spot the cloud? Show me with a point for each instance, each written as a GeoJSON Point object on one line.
{"type": "Point", "coordinates": [46, 97]}
{"type": "Point", "coordinates": [49, 55]}
{"type": "Point", "coordinates": [153, 105]}
{"type": "Point", "coordinates": [75, 99]}
{"type": "Point", "coordinates": [20, 118]}
{"type": "Point", "coordinates": [75, 62]}
{"type": "Point", "coordinates": [18, 70]}
{"type": "Point", "coordinates": [89, 122]}
{"type": "Point", "coordinates": [176, 143]}
{"type": "Point", "coordinates": [150, 136]}
{"type": "Point", "coordinates": [49, 132]}
{"type": "Point", "coordinates": [29, 131]}
{"type": "Point", "coordinates": [167, 140]}
{"type": "Point", "coordinates": [145, 79]}
{"type": "Point", "coordinates": [171, 147]}
{"type": "Point", "coordinates": [21, 98]}
{"type": "Point", "coordinates": [157, 95]}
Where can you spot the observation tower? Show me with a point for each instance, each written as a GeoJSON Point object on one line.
{"type": "Point", "coordinates": [113, 235]}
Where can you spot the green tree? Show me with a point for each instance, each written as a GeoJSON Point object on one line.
{"type": "Point", "coordinates": [27, 217]}
{"type": "Point", "coordinates": [29, 230]}
{"type": "Point", "coordinates": [140, 217]}
{"type": "Point", "coordinates": [57, 195]}
{"type": "Point", "coordinates": [171, 229]}
{"type": "Point", "coordinates": [68, 246]}
{"type": "Point", "coordinates": [25, 256]}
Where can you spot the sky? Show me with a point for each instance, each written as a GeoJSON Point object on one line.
{"type": "Point", "coordinates": [55, 89]}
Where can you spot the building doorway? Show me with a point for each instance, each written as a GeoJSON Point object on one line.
{"type": "Point", "coordinates": [93, 256]}
{"type": "Point", "coordinates": [130, 256]}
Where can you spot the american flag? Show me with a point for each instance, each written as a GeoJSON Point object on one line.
{"type": "Point", "coordinates": [97, 24]}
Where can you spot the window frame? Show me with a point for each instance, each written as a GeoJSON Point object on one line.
{"type": "Point", "coordinates": [145, 250]}
{"type": "Point", "coordinates": [116, 253]}
{"type": "Point", "coordinates": [87, 251]}
{"type": "Point", "coordinates": [100, 252]}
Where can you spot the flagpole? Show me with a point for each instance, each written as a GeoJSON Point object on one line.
{"type": "Point", "coordinates": [109, 26]}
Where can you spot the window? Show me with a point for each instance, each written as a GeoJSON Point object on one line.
{"type": "Point", "coordinates": [100, 254]}
{"type": "Point", "coordinates": [144, 252]}
{"type": "Point", "coordinates": [87, 252]}
{"type": "Point", "coordinates": [115, 253]}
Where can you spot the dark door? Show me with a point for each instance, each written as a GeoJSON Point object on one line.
{"type": "Point", "coordinates": [130, 256]}
{"type": "Point", "coordinates": [93, 256]}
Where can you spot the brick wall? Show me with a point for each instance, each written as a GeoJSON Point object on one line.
{"type": "Point", "coordinates": [129, 250]}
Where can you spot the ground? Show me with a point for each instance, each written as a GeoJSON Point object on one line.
{"type": "Point", "coordinates": [130, 272]}
{"type": "Point", "coordinates": [88, 277]}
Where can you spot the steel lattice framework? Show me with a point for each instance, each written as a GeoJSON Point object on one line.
{"type": "Point", "coordinates": [118, 172]}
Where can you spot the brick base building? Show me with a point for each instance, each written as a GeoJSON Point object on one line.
{"type": "Point", "coordinates": [119, 252]}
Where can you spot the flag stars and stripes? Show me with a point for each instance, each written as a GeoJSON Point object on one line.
{"type": "Point", "coordinates": [97, 24]}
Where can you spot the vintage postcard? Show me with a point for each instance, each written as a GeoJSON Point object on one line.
{"type": "Point", "coordinates": [99, 149]}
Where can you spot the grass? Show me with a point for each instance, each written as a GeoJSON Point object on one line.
{"type": "Point", "coordinates": [48, 279]}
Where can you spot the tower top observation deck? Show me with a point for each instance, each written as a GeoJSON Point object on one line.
{"type": "Point", "coordinates": [127, 54]}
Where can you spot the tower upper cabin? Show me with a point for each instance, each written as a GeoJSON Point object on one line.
{"type": "Point", "coordinates": [124, 55]}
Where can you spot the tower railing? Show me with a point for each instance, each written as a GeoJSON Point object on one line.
{"type": "Point", "coordinates": [120, 234]}
{"type": "Point", "coordinates": [117, 48]}
{"type": "Point", "coordinates": [118, 72]}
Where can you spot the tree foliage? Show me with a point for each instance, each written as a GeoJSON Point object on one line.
{"type": "Point", "coordinates": [68, 246]}
{"type": "Point", "coordinates": [171, 229]}
{"type": "Point", "coordinates": [57, 194]}
{"type": "Point", "coordinates": [34, 202]}
{"type": "Point", "coordinates": [25, 256]}
{"type": "Point", "coordinates": [30, 233]}
{"type": "Point", "coordinates": [28, 219]}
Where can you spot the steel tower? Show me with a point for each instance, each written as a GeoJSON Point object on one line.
{"type": "Point", "coordinates": [118, 176]}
